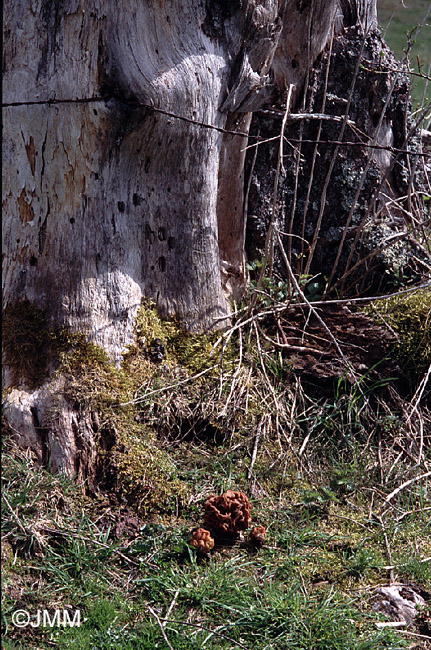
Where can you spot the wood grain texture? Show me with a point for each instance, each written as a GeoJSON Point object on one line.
{"type": "Point", "coordinates": [108, 201]}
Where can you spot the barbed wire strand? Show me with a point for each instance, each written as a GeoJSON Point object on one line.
{"type": "Point", "coordinates": [206, 125]}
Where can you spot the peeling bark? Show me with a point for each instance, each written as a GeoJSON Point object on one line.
{"type": "Point", "coordinates": [60, 437]}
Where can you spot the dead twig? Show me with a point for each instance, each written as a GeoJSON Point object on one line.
{"type": "Point", "coordinates": [269, 243]}
{"type": "Point", "coordinates": [419, 392]}
{"type": "Point", "coordinates": [254, 454]}
{"type": "Point", "coordinates": [310, 306]}
{"type": "Point", "coordinates": [138, 400]}
{"type": "Point", "coordinates": [56, 531]}
{"type": "Point", "coordinates": [159, 623]}
{"type": "Point", "coordinates": [404, 485]}
{"type": "Point", "coordinates": [411, 512]}
{"type": "Point", "coordinates": [294, 348]}
{"type": "Point", "coordinates": [333, 160]}
{"type": "Point", "coordinates": [22, 528]}
{"type": "Point", "coordinates": [357, 523]}
{"type": "Point", "coordinates": [171, 606]}
{"type": "Point", "coordinates": [235, 376]}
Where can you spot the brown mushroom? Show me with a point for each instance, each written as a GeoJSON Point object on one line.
{"type": "Point", "coordinates": [202, 540]}
{"type": "Point", "coordinates": [257, 536]}
{"type": "Point", "coordinates": [228, 513]}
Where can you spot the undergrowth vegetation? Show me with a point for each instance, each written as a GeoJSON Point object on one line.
{"type": "Point", "coordinates": [409, 315]}
{"type": "Point", "coordinates": [318, 412]}
{"type": "Point", "coordinates": [337, 473]}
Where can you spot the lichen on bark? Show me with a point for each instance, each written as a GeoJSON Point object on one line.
{"type": "Point", "coordinates": [340, 176]}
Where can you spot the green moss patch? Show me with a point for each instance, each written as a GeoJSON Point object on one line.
{"type": "Point", "coordinates": [145, 474]}
{"type": "Point", "coordinates": [409, 315]}
{"type": "Point", "coordinates": [194, 352]}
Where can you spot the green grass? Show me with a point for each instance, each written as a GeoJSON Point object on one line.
{"type": "Point", "coordinates": [317, 466]}
{"type": "Point", "coordinates": [307, 588]}
{"type": "Point", "coordinates": [397, 19]}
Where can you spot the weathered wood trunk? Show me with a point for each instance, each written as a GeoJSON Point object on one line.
{"type": "Point", "coordinates": [108, 201]}
{"type": "Point", "coordinates": [119, 181]}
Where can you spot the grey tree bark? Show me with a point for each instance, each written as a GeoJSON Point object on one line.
{"type": "Point", "coordinates": [123, 176]}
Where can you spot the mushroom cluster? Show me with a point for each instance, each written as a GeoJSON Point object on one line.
{"type": "Point", "coordinates": [228, 513]}
{"type": "Point", "coordinates": [202, 541]}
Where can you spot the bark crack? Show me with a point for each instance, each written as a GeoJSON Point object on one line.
{"type": "Point", "coordinates": [43, 159]}
{"type": "Point", "coordinates": [42, 434]}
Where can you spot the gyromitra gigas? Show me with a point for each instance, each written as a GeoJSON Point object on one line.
{"type": "Point", "coordinates": [257, 536]}
{"type": "Point", "coordinates": [202, 540]}
{"type": "Point", "coordinates": [228, 513]}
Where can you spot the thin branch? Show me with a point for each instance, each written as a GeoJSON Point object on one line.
{"type": "Point", "coordinates": [397, 566]}
{"type": "Point", "coordinates": [357, 523]}
{"type": "Point", "coordinates": [332, 163]}
{"type": "Point", "coordinates": [245, 210]}
{"type": "Point", "coordinates": [294, 348]}
{"type": "Point", "coordinates": [235, 377]}
{"type": "Point", "coordinates": [294, 117]}
{"type": "Point", "coordinates": [375, 197]}
{"type": "Point", "coordinates": [406, 484]}
{"type": "Point", "coordinates": [254, 453]}
{"type": "Point", "coordinates": [420, 392]}
{"type": "Point", "coordinates": [365, 145]}
{"type": "Point", "coordinates": [171, 606]}
{"type": "Point", "coordinates": [55, 531]}
{"type": "Point", "coordinates": [307, 302]}
{"type": "Point", "coordinates": [15, 516]}
{"type": "Point", "coordinates": [419, 74]}
{"type": "Point", "coordinates": [269, 243]}
{"type": "Point", "coordinates": [388, 550]}
{"type": "Point", "coordinates": [414, 634]}
{"type": "Point", "coordinates": [159, 623]}
{"type": "Point", "coordinates": [315, 152]}
{"type": "Point", "coordinates": [359, 190]}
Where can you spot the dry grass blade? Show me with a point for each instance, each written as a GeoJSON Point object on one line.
{"type": "Point", "coordinates": [309, 305]}
{"type": "Point", "coordinates": [406, 484]}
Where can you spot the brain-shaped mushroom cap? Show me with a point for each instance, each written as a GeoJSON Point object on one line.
{"type": "Point", "coordinates": [228, 513]}
{"type": "Point", "coordinates": [202, 540]}
{"type": "Point", "coordinates": [257, 536]}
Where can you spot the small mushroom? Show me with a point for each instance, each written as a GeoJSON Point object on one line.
{"type": "Point", "coordinates": [202, 540]}
{"type": "Point", "coordinates": [257, 536]}
{"type": "Point", "coordinates": [228, 513]}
